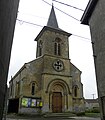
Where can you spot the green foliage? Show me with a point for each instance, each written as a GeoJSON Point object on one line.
{"type": "Point", "coordinates": [94, 110]}
{"type": "Point", "coordinates": [92, 114]}
{"type": "Point", "coordinates": [80, 113]}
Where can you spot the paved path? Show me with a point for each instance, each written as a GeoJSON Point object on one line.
{"type": "Point", "coordinates": [54, 118]}
{"type": "Point", "coordinates": [15, 117]}
{"type": "Point", "coordinates": [86, 118]}
{"type": "Point", "coordinates": [79, 118]}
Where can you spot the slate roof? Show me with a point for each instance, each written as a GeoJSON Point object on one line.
{"type": "Point", "coordinates": [88, 12]}
{"type": "Point", "coordinates": [52, 25]}
{"type": "Point", "coordinates": [52, 21]}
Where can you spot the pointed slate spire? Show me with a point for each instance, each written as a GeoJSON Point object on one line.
{"type": "Point", "coordinates": [52, 21]}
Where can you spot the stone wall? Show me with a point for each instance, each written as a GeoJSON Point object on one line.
{"type": "Point", "coordinates": [97, 28]}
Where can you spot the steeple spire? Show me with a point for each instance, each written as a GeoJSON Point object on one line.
{"type": "Point", "coordinates": [52, 21]}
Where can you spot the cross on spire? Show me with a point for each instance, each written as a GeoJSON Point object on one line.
{"type": "Point", "coordinates": [52, 2]}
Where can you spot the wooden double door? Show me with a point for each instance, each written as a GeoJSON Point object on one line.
{"type": "Point", "coordinates": [57, 102]}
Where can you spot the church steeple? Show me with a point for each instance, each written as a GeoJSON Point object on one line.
{"type": "Point", "coordinates": [52, 21]}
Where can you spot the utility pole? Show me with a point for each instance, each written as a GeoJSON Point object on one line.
{"type": "Point", "coordinates": [93, 95]}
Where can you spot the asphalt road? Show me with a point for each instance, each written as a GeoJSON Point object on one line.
{"type": "Point", "coordinates": [47, 118]}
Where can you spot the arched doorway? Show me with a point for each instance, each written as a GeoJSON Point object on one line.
{"type": "Point", "coordinates": [57, 102]}
{"type": "Point", "coordinates": [58, 98]}
{"type": "Point", "coordinates": [58, 95]}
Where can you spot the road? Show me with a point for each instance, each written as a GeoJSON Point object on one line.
{"type": "Point", "coordinates": [14, 117]}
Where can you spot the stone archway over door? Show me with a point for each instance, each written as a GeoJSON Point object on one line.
{"type": "Point", "coordinates": [57, 102]}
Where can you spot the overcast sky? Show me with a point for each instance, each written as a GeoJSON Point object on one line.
{"type": "Point", "coordinates": [80, 49]}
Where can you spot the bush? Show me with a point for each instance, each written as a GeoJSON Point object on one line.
{"type": "Point", "coordinates": [80, 113]}
{"type": "Point", "coordinates": [95, 110]}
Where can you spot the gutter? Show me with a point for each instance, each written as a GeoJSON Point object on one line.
{"type": "Point", "coordinates": [88, 11]}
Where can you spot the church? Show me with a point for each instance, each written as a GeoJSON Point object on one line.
{"type": "Point", "coordinates": [50, 83]}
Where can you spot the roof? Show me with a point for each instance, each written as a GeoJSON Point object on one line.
{"type": "Point", "coordinates": [51, 29]}
{"type": "Point", "coordinates": [88, 11]}
{"type": "Point", "coordinates": [24, 66]}
{"type": "Point", "coordinates": [52, 21]}
{"type": "Point", "coordinates": [73, 66]}
{"type": "Point", "coordinates": [52, 25]}
{"type": "Point", "coordinates": [91, 100]}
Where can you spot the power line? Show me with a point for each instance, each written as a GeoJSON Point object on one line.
{"type": "Point", "coordinates": [56, 8]}
{"type": "Point", "coordinates": [31, 15]}
{"type": "Point", "coordinates": [22, 21]}
{"type": "Point", "coordinates": [82, 37]}
{"type": "Point", "coordinates": [68, 5]}
{"type": "Point", "coordinates": [67, 14]}
{"type": "Point", "coordinates": [62, 11]}
{"type": "Point", "coordinates": [47, 2]}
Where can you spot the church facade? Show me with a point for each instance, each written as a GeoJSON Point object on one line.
{"type": "Point", "coordinates": [50, 83]}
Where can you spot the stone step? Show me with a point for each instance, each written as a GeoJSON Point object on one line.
{"type": "Point", "coordinates": [59, 115]}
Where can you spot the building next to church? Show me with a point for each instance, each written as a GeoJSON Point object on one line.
{"type": "Point", "coordinates": [50, 83]}
{"type": "Point", "coordinates": [8, 15]}
{"type": "Point", "coordinates": [92, 105]}
{"type": "Point", "coordinates": [94, 16]}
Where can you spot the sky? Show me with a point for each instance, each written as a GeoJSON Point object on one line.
{"type": "Point", "coordinates": [36, 12]}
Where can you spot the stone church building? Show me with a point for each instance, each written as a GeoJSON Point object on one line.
{"type": "Point", "coordinates": [50, 83]}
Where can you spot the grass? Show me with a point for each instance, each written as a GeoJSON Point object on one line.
{"type": "Point", "coordinates": [92, 114]}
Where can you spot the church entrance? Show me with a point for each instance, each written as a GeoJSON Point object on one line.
{"type": "Point", "coordinates": [57, 102]}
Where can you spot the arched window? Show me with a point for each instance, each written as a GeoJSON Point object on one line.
{"type": "Point", "coordinates": [75, 91]}
{"type": "Point", "coordinates": [10, 90]}
{"type": "Point", "coordinates": [40, 48]}
{"type": "Point", "coordinates": [33, 89]}
{"type": "Point", "coordinates": [18, 88]}
{"type": "Point", "coordinates": [59, 49]}
{"type": "Point", "coordinates": [57, 46]}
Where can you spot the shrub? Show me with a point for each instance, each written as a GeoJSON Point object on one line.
{"type": "Point", "coordinates": [80, 113]}
{"type": "Point", "coordinates": [95, 110]}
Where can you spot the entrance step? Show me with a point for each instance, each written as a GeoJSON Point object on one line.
{"type": "Point", "coordinates": [59, 115]}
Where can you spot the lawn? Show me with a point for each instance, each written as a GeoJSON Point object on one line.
{"type": "Point", "coordinates": [92, 114]}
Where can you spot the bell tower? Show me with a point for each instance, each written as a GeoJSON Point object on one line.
{"type": "Point", "coordinates": [52, 40]}
{"type": "Point", "coordinates": [53, 51]}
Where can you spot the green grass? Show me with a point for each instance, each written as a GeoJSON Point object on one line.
{"type": "Point", "coordinates": [92, 114]}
